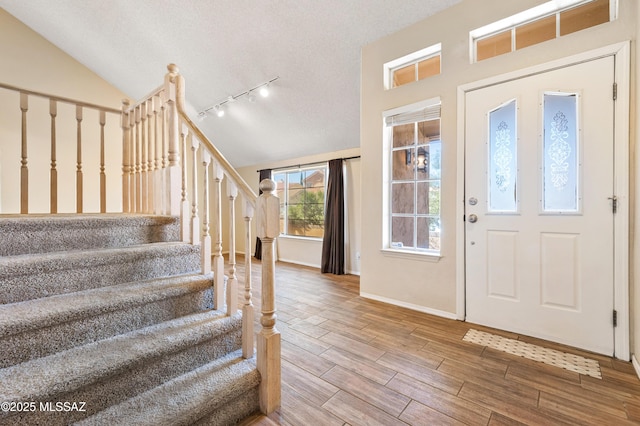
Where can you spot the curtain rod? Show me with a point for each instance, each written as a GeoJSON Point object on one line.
{"type": "Point", "coordinates": [311, 164]}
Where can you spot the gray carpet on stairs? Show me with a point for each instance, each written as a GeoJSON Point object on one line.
{"type": "Point", "coordinates": [111, 310]}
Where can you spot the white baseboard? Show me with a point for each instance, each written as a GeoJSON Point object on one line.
{"type": "Point", "coordinates": [297, 262]}
{"type": "Point", "coordinates": [436, 312]}
{"type": "Point", "coordinates": [636, 365]}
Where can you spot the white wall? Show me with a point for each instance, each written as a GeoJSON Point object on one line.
{"type": "Point", "coordinates": [305, 251]}
{"type": "Point", "coordinates": [31, 62]}
{"type": "Point", "coordinates": [426, 285]}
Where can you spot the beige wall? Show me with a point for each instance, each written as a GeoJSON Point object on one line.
{"type": "Point", "coordinates": [412, 282]}
{"type": "Point", "coordinates": [309, 252]}
{"type": "Point", "coordinates": [31, 62]}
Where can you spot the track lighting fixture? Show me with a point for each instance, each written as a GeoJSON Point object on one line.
{"type": "Point", "coordinates": [263, 89]}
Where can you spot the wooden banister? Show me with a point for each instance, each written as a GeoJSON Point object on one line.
{"type": "Point", "coordinates": [163, 138]}
{"type": "Point", "coordinates": [229, 170]}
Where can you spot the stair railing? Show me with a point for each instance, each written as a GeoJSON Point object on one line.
{"type": "Point", "coordinates": [80, 107]}
{"type": "Point", "coordinates": [168, 163]}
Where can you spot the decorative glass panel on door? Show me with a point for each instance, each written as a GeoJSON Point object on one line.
{"type": "Point", "coordinates": [560, 149]}
{"type": "Point", "coordinates": [503, 166]}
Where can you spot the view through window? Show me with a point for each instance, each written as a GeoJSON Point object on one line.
{"type": "Point", "coordinates": [415, 179]}
{"type": "Point", "coordinates": [302, 201]}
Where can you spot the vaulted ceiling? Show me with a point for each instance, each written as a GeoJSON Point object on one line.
{"type": "Point", "coordinates": [226, 47]}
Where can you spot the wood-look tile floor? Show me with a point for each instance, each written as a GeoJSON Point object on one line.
{"type": "Point", "coordinates": [347, 360]}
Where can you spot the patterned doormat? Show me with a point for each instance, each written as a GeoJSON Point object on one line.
{"type": "Point", "coordinates": [576, 363]}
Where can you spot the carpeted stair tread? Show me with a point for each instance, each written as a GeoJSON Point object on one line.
{"type": "Point", "coordinates": [42, 233]}
{"type": "Point", "coordinates": [187, 398]}
{"type": "Point", "coordinates": [45, 312]}
{"type": "Point", "coordinates": [42, 379]}
{"type": "Point", "coordinates": [32, 276]}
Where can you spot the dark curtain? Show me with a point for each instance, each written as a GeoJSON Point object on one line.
{"type": "Point", "coordinates": [264, 174]}
{"type": "Point", "coordinates": [333, 241]}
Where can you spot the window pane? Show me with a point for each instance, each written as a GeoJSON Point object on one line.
{"type": "Point", "coordinates": [502, 158]}
{"type": "Point", "coordinates": [435, 170]}
{"type": "Point", "coordinates": [404, 135]}
{"type": "Point", "coordinates": [422, 163]}
{"type": "Point", "coordinates": [428, 130]}
{"type": "Point", "coordinates": [402, 197]}
{"type": "Point", "coordinates": [279, 178]}
{"type": "Point", "coordinates": [404, 75]}
{"type": "Point", "coordinates": [536, 32]}
{"type": "Point", "coordinates": [295, 227]}
{"type": "Point", "coordinates": [428, 233]}
{"type": "Point", "coordinates": [560, 153]}
{"type": "Point", "coordinates": [402, 232]}
{"type": "Point", "coordinates": [403, 164]}
{"type": "Point", "coordinates": [429, 67]}
{"type": "Point", "coordinates": [302, 202]}
{"type": "Point", "coordinates": [314, 178]}
{"type": "Point", "coordinates": [494, 45]}
{"type": "Point", "coordinates": [428, 198]}
{"type": "Point", "coordinates": [588, 15]}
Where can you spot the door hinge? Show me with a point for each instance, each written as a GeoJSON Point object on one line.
{"type": "Point", "coordinates": [615, 318]}
{"type": "Point", "coordinates": [615, 91]}
{"type": "Point", "coordinates": [614, 204]}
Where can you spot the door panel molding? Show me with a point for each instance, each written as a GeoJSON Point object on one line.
{"type": "Point", "coordinates": [621, 54]}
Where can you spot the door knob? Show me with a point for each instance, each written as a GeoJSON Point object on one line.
{"type": "Point", "coordinates": [473, 218]}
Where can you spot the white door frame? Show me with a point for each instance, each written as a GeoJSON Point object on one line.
{"type": "Point", "coordinates": [621, 180]}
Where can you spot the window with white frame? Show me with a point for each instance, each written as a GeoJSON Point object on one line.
{"type": "Point", "coordinates": [302, 200]}
{"type": "Point", "coordinates": [413, 67]}
{"type": "Point", "coordinates": [413, 208]}
{"type": "Point", "coordinates": [547, 21]}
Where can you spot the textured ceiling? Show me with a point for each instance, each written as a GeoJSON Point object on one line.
{"type": "Point", "coordinates": [225, 47]}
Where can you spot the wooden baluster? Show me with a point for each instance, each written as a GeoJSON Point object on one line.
{"type": "Point", "coordinates": [103, 176]}
{"type": "Point", "coordinates": [195, 221]}
{"type": "Point", "coordinates": [232, 281]}
{"type": "Point", "coordinates": [53, 194]}
{"type": "Point", "coordinates": [150, 155]}
{"type": "Point", "coordinates": [24, 170]}
{"type": "Point", "coordinates": [205, 248]}
{"type": "Point", "coordinates": [126, 161]}
{"type": "Point", "coordinates": [184, 215]}
{"type": "Point", "coordinates": [138, 159]}
{"type": "Point", "coordinates": [218, 259]}
{"type": "Point", "coordinates": [144, 142]}
{"type": "Point", "coordinates": [165, 161]}
{"type": "Point", "coordinates": [247, 306]}
{"type": "Point", "coordinates": [79, 178]}
{"type": "Point", "coordinates": [157, 176]}
{"type": "Point", "coordinates": [174, 93]}
{"type": "Point", "coordinates": [132, 160]}
{"type": "Point", "coordinates": [268, 340]}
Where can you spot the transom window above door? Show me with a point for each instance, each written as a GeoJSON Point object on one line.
{"type": "Point", "coordinates": [541, 23]}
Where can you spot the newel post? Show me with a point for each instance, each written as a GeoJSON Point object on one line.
{"type": "Point", "coordinates": [173, 92]}
{"type": "Point", "coordinates": [268, 340]}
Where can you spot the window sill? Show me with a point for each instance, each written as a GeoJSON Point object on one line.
{"type": "Point", "coordinates": [412, 255]}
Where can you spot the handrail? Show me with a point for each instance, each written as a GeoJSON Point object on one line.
{"type": "Point", "coordinates": [60, 99]}
{"type": "Point", "coordinates": [155, 92]}
{"type": "Point", "coordinates": [250, 195]}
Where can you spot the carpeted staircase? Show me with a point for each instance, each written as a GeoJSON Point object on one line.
{"type": "Point", "coordinates": [110, 312]}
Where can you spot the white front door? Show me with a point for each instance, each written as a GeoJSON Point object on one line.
{"type": "Point", "coordinates": [539, 179]}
